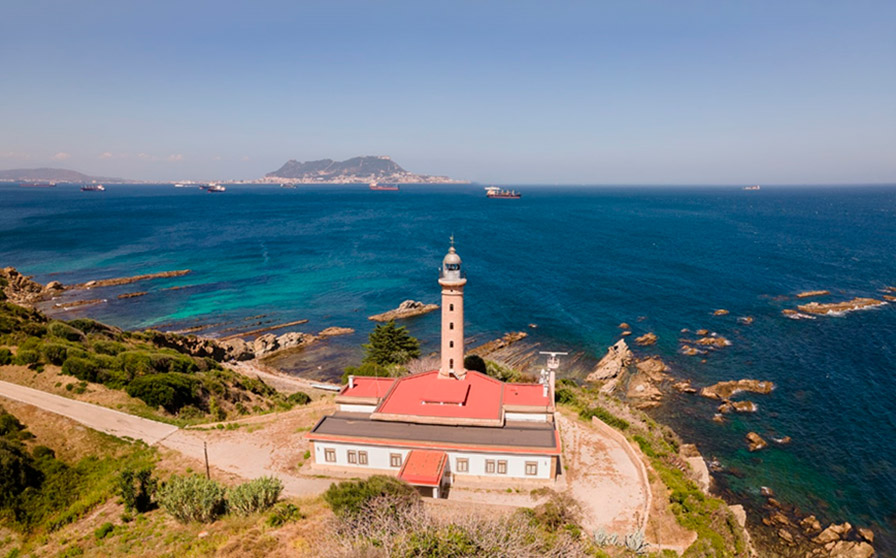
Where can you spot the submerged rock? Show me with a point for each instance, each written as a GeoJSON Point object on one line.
{"type": "Point", "coordinates": [654, 368]}
{"type": "Point", "coordinates": [684, 387]}
{"type": "Point", "coordinates": [737, 406]}
{"type": "Point", "coordinates": [617, 358]}
{"type": "Point", "coordinates": [334, 331]}
{"type": "Point", "coordinates": [720, 312]}
{"type": "Point", "coordinates": [857, 303]}
{"type": "Point", "coordinates": [745, 320]}
{"type": "Point", "coordinates": [810, 294]}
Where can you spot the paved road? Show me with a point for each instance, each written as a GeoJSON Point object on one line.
{"type": "Point", "coordinates": [96, 417]}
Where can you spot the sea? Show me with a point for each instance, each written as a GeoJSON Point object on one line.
{"type": "Point", "coordinates": [565, 264]}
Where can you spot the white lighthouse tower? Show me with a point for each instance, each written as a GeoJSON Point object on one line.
{"type": "Point", "coordinates": [452, 280]}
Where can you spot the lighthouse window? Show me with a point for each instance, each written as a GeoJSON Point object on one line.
{"type": "Point", "coordinates": [450, 344]}
{"type": "Point", "coordinates": [451, 307]}
{"type": "Point", "coordinates": [451, 325]}
{"type": "Point", "coordinates": [451, 363]}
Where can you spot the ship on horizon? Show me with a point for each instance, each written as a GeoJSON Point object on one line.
{"type": "Point", "coordinates": [495, 192]}
{"type": "Point", "coordinates": [384, 187]}
{"type": "Point", "coordinates": [753, 187]}
{"type": "Point", "coordinates": [89, 188]}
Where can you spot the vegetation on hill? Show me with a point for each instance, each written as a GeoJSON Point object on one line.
{"type": "Point", "coordinates": [172, 384]}
{"type": "Point", "coordinates": [388, 349]}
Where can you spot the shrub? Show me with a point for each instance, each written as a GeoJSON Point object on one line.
{"type": "Point", "coordinates": [605, 416]}
{"type": "Point", "coordinates": [5, 356]}
{"type": "Point", "coordinates": [349, 497]}
{"type": "Point", "coordinates": [192, 498]}
{"type": "Point", "coordinates": [299, 398]}
{"type": "Point", "coordinates": [135, 363]}
{"type": "Point", "coordinates": [65, 331]}
{"type": "Point", "coordinates": [43, 452]}
{"type": "Point", "coordinates": [475, 362]}
{"type": "Point", "coordinates": [390, 344]}
{"type": "Point", "coordinates": [81, 368]}
{"type": "Point", "coordinates": [137, 489]}
{"type": "Point", "coordinates": [89, 326]}
{"type": "Point", "coordinates": [54, 353]}
{"type": "Point", "coordinates": [254, 496]}
{"type": "Point", "coordinates": [107, 347]}
{"type": "Point", "coordinates": [284, 513]}
{"type": "Point", "coordinates": [368, 369]}
{"type": "Point", "coordinates": [565, 395]}
{"type": "Point", "coordinates": [171, 391]}
{"type": "Point", "coordinates": [103, 530]}
{"type": "Point", "coordinates": [26, 356]}
{"type": "Point", "coordinates": [33, 329]}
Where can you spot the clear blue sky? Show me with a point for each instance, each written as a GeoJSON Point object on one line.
{"type": "Point", "coordinates": [508, 92]}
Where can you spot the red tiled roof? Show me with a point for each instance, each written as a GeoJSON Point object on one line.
{"type": "Point", "coordinates": [408, 396]}
{"type": "Point", "coordinates": [526, 394]}
{"type": "Point", "coordinates": [366, 386]}
{"type": "Point", "coordinates": [424, 467]}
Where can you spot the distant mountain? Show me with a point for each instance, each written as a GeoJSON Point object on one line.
{"type": "Point", "coordinates": [356, 169]}
{"type": "Point", "coordinates": [54, 175]}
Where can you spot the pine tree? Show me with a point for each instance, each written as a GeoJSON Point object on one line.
{"type": "Point", "coordinates": [391, 344]}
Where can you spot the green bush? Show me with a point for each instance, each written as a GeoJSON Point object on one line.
{"type": "Point", "coordinates": [26, 356]}
{"type": "Point", "coordinates": [565, 395]}
{"type": "Point", "coordinates": [81, 368]}
{"type": "Point", "coordinates": [137, 489]}
{"type": "Point", "coordinates": [103, 531]}
{"type": "Point", "coordinates": [284, 513]}
{"type": "Point", "coordinates": [299, 398]}
{"type": "Point", "coordinates": [368, 369]}
{"type": "Point", "coordinates": [135, 363]}
{"type": "Point", "coordinates": [475, 362]}
{"type": "Point", "coordinates": [65, 331]}
{"type": "Point", "coordinates": [254, 496]}
{"type": "Point", "coordinates": [390, 344]}
{"type": "Point", "coordinates": [605, 416]}
{"type": "Point", "coordinates": [105, 347]}
{"type": "Point", "coordinates": [90, 326]}
{"type": "Point", "coordinates": [5, 356]}
{"type": "Point", "coordinates": [33, 329]}
{"type": "Point", "coordinates": [171, 391]}
{"type": "Point", "coordinates": [54, 353]}
{"type": "Point", "coordinates": [192, 498]}
{"type": "Point", "coordinates": [349, 497]}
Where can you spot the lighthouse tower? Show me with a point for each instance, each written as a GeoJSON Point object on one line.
{"type": "Point", "coordinates": [452, 280]}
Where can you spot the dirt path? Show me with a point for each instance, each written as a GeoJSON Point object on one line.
{"type": "Point", "coordinates": [604, 478]}
{"type": "Point", "coordinates": [96, 417]}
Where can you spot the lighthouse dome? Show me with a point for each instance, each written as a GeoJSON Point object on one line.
{"type": "Point", "coordinates": [451, 257]}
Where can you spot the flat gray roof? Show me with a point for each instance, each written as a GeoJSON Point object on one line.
{"type": "Point", "coordinates": [535, 435]}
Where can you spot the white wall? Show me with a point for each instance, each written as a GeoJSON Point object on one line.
{"type": "Point", "coordinates": [531, 417]}
{"type": "Point", "coordinates": [357, 408]}
{"type": "Point", "coordinates": [378, 458]}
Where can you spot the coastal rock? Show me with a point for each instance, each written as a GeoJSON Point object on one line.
{"type": "Point", "coordinates": [407, 309]}
{"type": "Point", "coordinates": [237, 349]}
{"type": "Point", "coordinates": [20, 289]}
{"type": "Point", "coordinates": [625, 333]}
{"type": "Point", "coordinates": [718, 417]}
{"type": "Point", "coordinates": [833, 533]}
{"type": "Point", "coordinates": [720, 312]}
{"type": "Point", "coordinates": [496, 344]}
{"type": "Point", "coordinates": [131, 295]}
{"type": "Point", "coordinates": [857, 303]}
{"type": "Point", "coordinates": [54, 286]}
{"type": "Point", "coordinates": [866, 534]}
{"type": "Point", "coordinates": [724, 390]}
{"type": "Point", "coordinates": [702, 332]}
{"type": "Point", "coordinates": [334, 331]}
{"type": "Point", "coordinates": [294, 339]}
{"type": "Point", "coordinates": [794, 315]}
{"type": "Point", "coordinates": [646, 339]}
{"type": "Point", "coordinates": [624, 325]}
{"type": "Point", "coordinates": [127, 280]}
{"type": "Point", "coordinates": [716, 341]}
{"type": "Point", "coordinates": [810, 524]}
{"type": "Point", "coordinates": [654, 368]}
{"type": "Point", "coordinates": [891, 298]}
{"type": "Point", "coordinates": [691, 351]}
{"type": "Point", "coordinates": [264, 344]}
{"type": "Point", "coordinates": [811, 294]}
{"type": "Point", "coordinates": [737, 406]}
{"type": "Point", "coordinates": [766, 491]}
{"type": "Point", "coordinates": [684, 387]}
{"type": "Point", "coordinates": [850, 549]}
{"type": "Point", "coordinates": [785, 536]}
{"type": "Point", "coordinates": [784, 440]}
{"type": "Point", "coordinates": [618, 357]}
{"type": "Point", "coordinates": [755, 441]}
{"type": "Point", "coordinates": [745, 320]}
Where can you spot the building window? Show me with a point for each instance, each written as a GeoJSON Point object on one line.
{"type": "Point", "coordinates": [463, 465]}
{"type": "Point", "coordinates": [450, 344]}
{"type": "Point", "coordinates": [362, 457]}
{"type": "Point", "coordinates": [450, 325]}
{"type": "Point", "coordinates": [502, 467]}
{"type": "Point", "coordinates": [490, 466]}
{"type": "Point", "coordinates": [531, 468]}
{"type": "Point", "coordinates": [395, 460]}
{"type": "Point", "coordinates": [329, 455]}
{"type": "Point", "coordinates": [352, 456]}
{"type": "Point", "coordinates": [451, 307]}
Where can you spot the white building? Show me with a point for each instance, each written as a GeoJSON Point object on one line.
{"type": "Point", "coordinates": [433, 427]}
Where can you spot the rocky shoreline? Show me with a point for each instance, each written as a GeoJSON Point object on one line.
{"type": "Point", "coordinates": [407, 309]}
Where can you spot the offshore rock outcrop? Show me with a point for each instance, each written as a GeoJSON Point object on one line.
{"type": "Point", "coordinates": [24, 291]}
{"type": "Point", "coordinates": [646, 339]}
{"type": "Point", "coordinates": [857, 303]}
{"type": "Point", "coordinates": [407, 309]}
{"type": "Point", "coordinates": [724, 390]}
{"type": "Point", "coordinates": [617, 358]}
{"type": "Point", "coordinates": [128, 280]}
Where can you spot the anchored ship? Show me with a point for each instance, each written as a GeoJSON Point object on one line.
{"type": "Point", "coordinates": [495, 192]}
{"type": "Point", "coordinates": [384, 187]}
{"type": "Point", "coordinates": [97, 188]}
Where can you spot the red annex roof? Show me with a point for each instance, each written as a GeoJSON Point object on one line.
{"type": "Point", "coordinates": [412, 396]}
{"type": "Point", "coordinates": [424, 467]}
{"type": "Point", "coordinates": [368, 386]}
{"type": "Point", "coordinates": [526, 394]}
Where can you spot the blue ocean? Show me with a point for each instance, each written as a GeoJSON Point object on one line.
{"type": "Point", "coordinates": [574, 261]}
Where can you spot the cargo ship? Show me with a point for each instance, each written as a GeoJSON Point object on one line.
{"type": "Point", "coordinates": [97, 188]}
{"type": "Point", "coordinates": [754, 187]}
{"type": "Point", "coordinates": [214, 188]}
{"type": "Point", "coordinates": [384, 187]}
{"type": "Point", "coordinates": [495, 192]}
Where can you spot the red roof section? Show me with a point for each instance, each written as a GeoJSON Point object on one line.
{"type": "Point", "coordinates": [526, 394]}
{"type": "Point", "coordinates": [368, 386]}
{"type": "Point", "coordinates": [424, 467]}
{"type": "Point", "coordinates": [409, 396]}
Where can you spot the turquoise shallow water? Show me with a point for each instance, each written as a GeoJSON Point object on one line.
{"type": "Point", "coordinates": [576, 261]}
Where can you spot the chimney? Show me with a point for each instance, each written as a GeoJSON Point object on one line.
{"type": "Point", "coordinates": [351, 381]}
